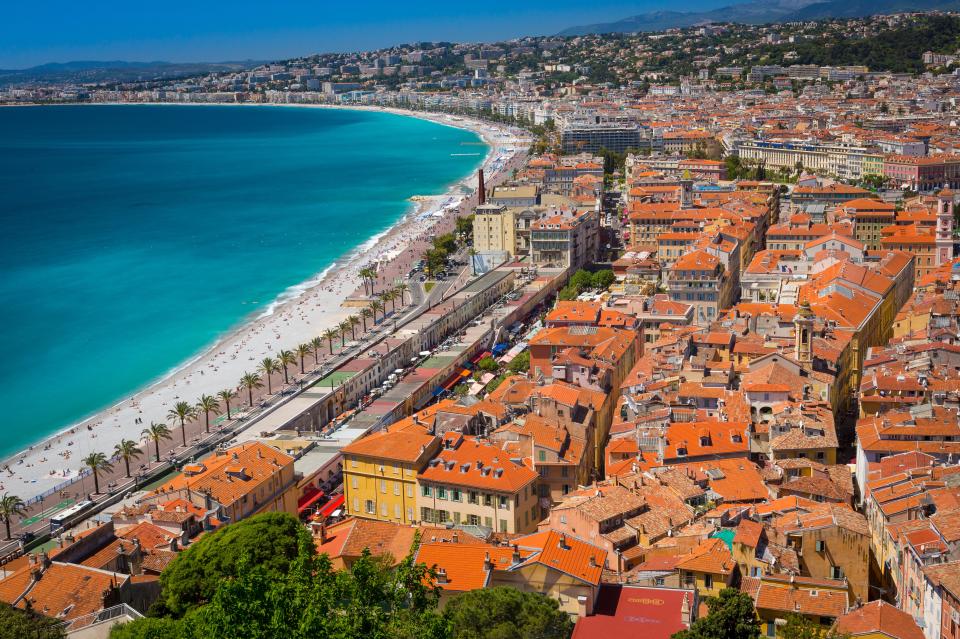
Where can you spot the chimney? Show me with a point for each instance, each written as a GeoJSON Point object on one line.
{"type": "Point", "coordinates": [487, 563]}
{"type": "Point", "coordinates": [563, 542]}
{"type": "Point", "coordinates": [481, 188]}
{"type": "Point", "coordinates": [441, 575]}
{"type": "Point", "coordinates": [516, 554]}
{"type": "Point", "coordinates": [323, 533]}
{"type": "Point", "coordinates": [455, 538]}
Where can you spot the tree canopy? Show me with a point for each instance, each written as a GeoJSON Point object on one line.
{"type": "Point", "coordinates": [307, 600]}
{"type": "Point", "coordinates": [732, 616]}
{"type": "Point", "coordinates": [506, 613]}
{"type": "Point", "coordinates": [17, 624]}
{"type": "Point", "coordinates": [268, 541]}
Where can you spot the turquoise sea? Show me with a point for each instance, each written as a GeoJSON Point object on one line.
{"type": "Point", "coordinates": [133, 236]}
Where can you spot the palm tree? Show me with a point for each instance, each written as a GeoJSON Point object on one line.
{"type": "Point", "coordinates": [126, 450]}
{"type": "Point", "coordinates": [353, 320]}
{"type": "Point", "coordinates": [316, 344]}
{"type": "Point", "coordinates": [269, 366]}
{"type": "Point", "coordinates": [402, 288]}
{"type": "Point", "coordinates": [343, 327]}
{"type": "Point", "coordinates": [182, 411]}
{"type": "Point", "coordinates": [377, 307]}
{"type": "Point", "coordinates": [330, 334]}
{"type": "Point", "coordinates": [97, 462]}
{"type": "Point", "coordinates": [11, 506]}
{"type": "Point", "coordinates": [285, 358]}
{"type": "Point", "coordinates": [365, 313]}
{"type": "Point", "coordinates": [156, 432]}
{"type": "Point", "coordinates": [368, 274]}
{"type": "Point", "coordinates": [251, 381]}
{"type": "Point", "coordinates": [473, 264]}
{"type": "Point", "coordinates": [225, 396]}
{"type": "Point", "coordinates": [302, 351]}
{"type": "Point", "coordinates": [208, 404]}
{"type": "Point", "coordinates": [384, 297]}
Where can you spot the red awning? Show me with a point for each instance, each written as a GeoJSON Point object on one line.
{"type": "Point", "coordinates": [308, 501]}
{"type": "Point", "coordinates": [331, 506]}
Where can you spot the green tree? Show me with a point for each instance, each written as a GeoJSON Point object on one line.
{"type": "Point", "coordinates": [302, 351]}
{"type": "Point", "coordinates": [156, 432]}
{"type": "Point", "coordinates": [27, 624]}
{"type": "Point", "coordinates": [268, 540]}
{"type": "Point", "coordinates": [581, 281]}
{"type": "Point", "coordinates": [97, 462]}
{"type": "Point", "coordinates": [520, 363]}
{"type": "Point", "coordinates": [285, 358]}
{"type": "Point", "coordinates": [11, 506]}
{"type": "Point", "coordinates": [208, 404]}
{"type": "Point", "coordinates": [488, 364]}
{"type": "Point", "coordinates": [150, 628]}
{"type": "Point", "coordinates": [182, 411]}
{"type": "Point", "coordinates": [251, 381]}
{"type": "Point", "coordinates": [446, 243]}
{"type": "Point", "coordinates": [567, 294]}
{"type": "Point", "coordinates": [126, 450]}
{"type": "Point", "coordinates": [603, 279]}
{"type": "Point", "coordinates": [316, 344]}
{"type": "Point", "coordinates": [506, 613]}
{"type": "Point", "coordinates": [268, 366]}
{"type": "Point", "coordinates": [225, 396]}
{"type": "Point", "coordinates": [732, 616]}
{"type": "Point", "coordinates": [799, 627]}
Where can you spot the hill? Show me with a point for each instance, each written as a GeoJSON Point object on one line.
{"type": "Point", "coordinates": [87, 71]}
{"type": "Point", "coordinates": [760, 12]}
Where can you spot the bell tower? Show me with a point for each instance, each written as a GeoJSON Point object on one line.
{"type": "Point", "coordinates": [803, 327]}
{"type": "Point", "coordinates": [944, 226]}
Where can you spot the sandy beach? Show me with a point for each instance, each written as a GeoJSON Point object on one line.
{"type": "Point", "coordinates": [298, 315]}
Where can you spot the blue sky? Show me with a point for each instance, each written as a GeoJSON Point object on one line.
{"type": "Point", "coordinates": [38, 31]}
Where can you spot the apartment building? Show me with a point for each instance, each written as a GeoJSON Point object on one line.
{"type": "Point", "coordinates": [380, 473]}
{"type": "Point", "coordinates": [245, 480]}
{"type": "Point", "coordinates": [471, 482]}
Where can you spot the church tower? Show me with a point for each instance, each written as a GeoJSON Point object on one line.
{"type": "Point", "coordinates": [944, 226]}
{"type": "Point", "coordinates": [803, 327]}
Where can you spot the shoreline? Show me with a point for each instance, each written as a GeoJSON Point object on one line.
{"type": "Point", "coordinates": [51, 461]}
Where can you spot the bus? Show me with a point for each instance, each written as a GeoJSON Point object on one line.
{"type": "Point", "coordinates": [66, 517]}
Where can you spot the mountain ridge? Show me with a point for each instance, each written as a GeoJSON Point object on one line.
{"type": "Point", "coordinates": [760, 12]}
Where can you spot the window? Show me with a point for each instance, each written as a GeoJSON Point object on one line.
{"type": "Point", "coordinates": [503, 502]}
{"type": "Point", "coordinates": [409, 491]}
{"type": "Point", "coordinates": [426, 491]}
{"type": "Point", "coordinates": [563, 519]}
{"type": "Point", "coordinates": [488, 500]}
{"type": "Point", "coordinates": [771, 629]}
{"type": "Point", "coordinates": [473, 497]}
{"type": "Point", "coordinates": [441, 492]}
{"type": "Point", "coordinates": [356, 505]}
{"type": "Point", "coordinates": [397, 511]}
{"type": "Point", "coordinates": [455, 495]}
{"type": "Point", "coordinates": [369, 507]}
{"type": "Point", "coordinates": [383, 510]}
{"type": "Point", "coordinates": [708, 581]}
{"type": "Point", "coordinates": [542, 455]}
{"type": "Point", "coordinates": [564, 471]}
{"type": "Point", "coordinates": [488, 522]}
{"type": "Point", "coordinates": [659, 581]}
{"type": "Point", "coordinates": [383, 486]}
{"type": "Point", "coordinates": [503, 525]}
{"type": "Point", "coordinates": [396, 488]}
{"type": "Point", "coordinates": [353, 482]}
{"type": "Point", "coordinates": [473, 520]}
{"type": "Point", "coordinates": [836, 572]}
{"type": "Point", "coordinates": [820, 545]}
{"type": "Point", "coordinates": [409, 514]}
{"type": "Point", "coordinates": [396, 470]}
